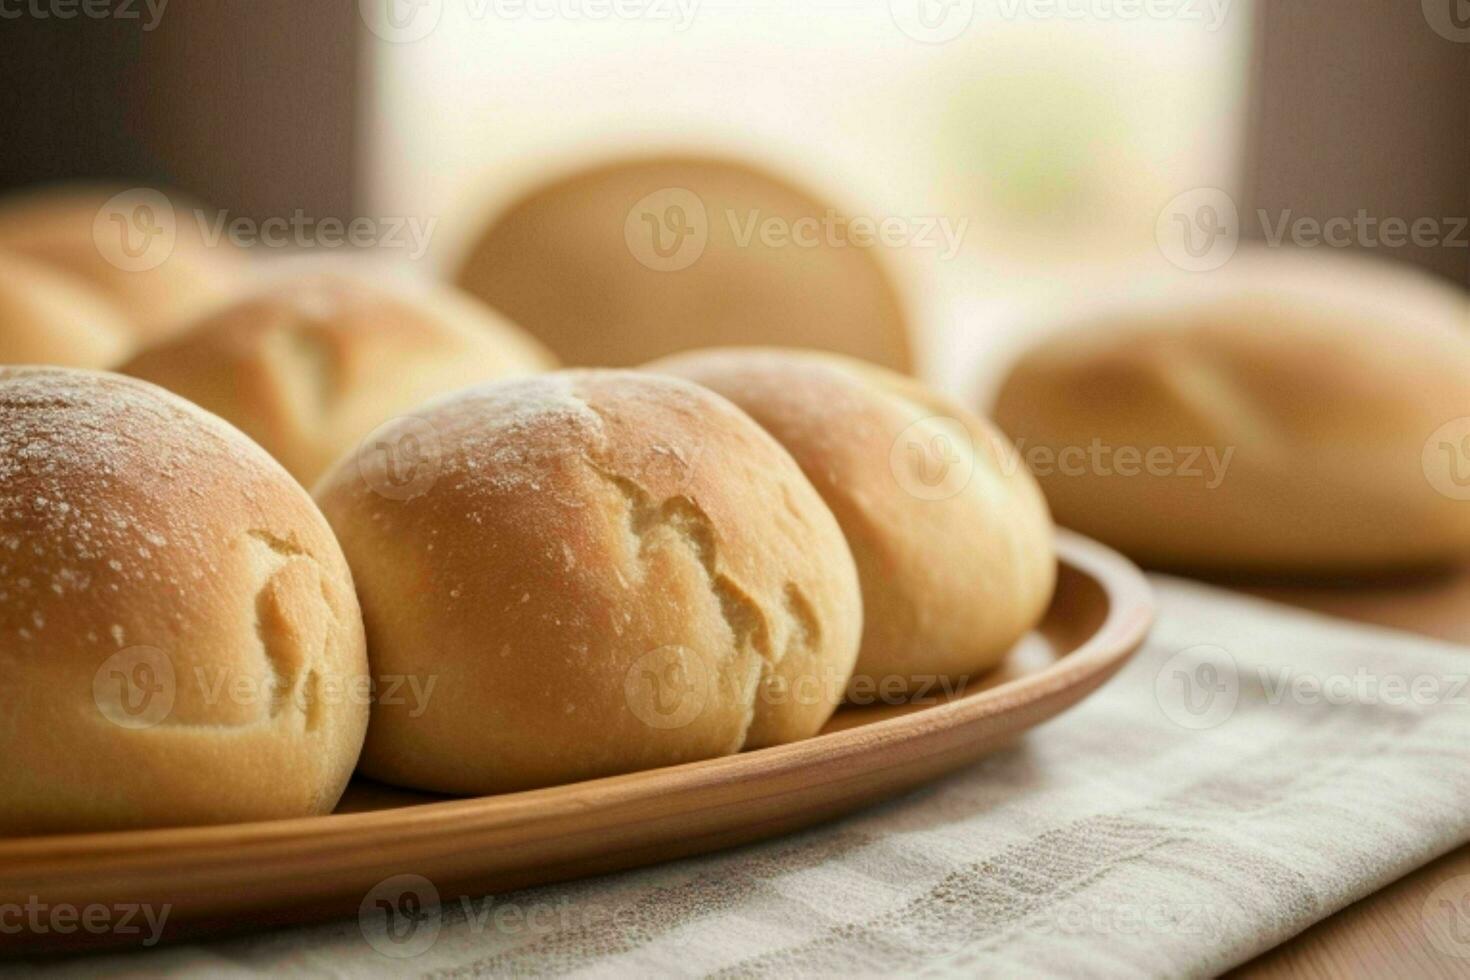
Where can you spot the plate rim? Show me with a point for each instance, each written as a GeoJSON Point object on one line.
{"type": "Point", "coordinates": [1129, 617]}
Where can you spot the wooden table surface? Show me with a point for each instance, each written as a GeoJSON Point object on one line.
{"type": "Point", "coordinates": [1384, 935]}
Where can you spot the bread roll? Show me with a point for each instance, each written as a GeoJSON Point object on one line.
{"type": "Point", "coordinates": [1291, 414]}
{"type": "Point", "coordinates": [79, 229]}
{"type": "Point", "coordinates": [636, 259]}
{"type": "Point", "coordinates": [604, 571]}
{"type": "Point", "coordinates": [952, 538]}
{"type": "Point", "coordinates": [47, 317]}
{"type": "Point", "coordinates": [178, 631]}
{"type": "Point", "coordinates": [309, 367]}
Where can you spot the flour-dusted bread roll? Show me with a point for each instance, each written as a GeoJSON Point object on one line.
{"type": "Point", "coordinates": [179, 635]}
{"type": "Point", "coordinates": [636, 259]}
{"type": "Point", "coordinates": [951, 535]}
{"type": "Point", "coordinates": [1290, 414]}
{"type": "Point", "coordinates": [159, 257]}
{"type": "Point", "coordinates": [308, 367]}
{"type": "Point", "coordinates": [48, 317]}
{"type": "Point", "coordinates": [602, 572]}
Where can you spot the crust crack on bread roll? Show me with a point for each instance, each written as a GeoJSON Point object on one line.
{"type": "Point", "coordinates": [618, 571]}
{"type": "Point", "coordinates": [952, 574]}
{"type": "Point", "coordinates": [311, 365]}
{"type": "Point", "coordinates": [178, 626]}
{"type": "Point", "coordinates": [1286, 416]}
{"type": "Point", "coordinates": [754, 629]}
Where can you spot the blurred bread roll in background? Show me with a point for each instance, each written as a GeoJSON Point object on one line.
{"type": "Point", "coordinates": [178, 628]}
{"type": "Point", "coordinates": [952, 539]}
{"type": "Point", "coordinates": [1289, 414]}
{"type": "Point", "coordinates": [606, 571]}
{"type": "Point", "coordinates": [309, 366]}
{"type": "Point", "coordinates": [149, 252]}
{"type": "Point", "coordinates": [625, 262]}
{"type": "Point", "coordinates": [49, 317]}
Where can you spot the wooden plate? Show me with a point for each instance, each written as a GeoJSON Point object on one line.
{"type": "Point", "coordinates": [248, 876]}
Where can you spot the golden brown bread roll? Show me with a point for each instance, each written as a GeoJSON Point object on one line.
{"type": "Point", "coordinates": [1292, 414]}
{"type": "Point", "coordinates": [953, 542]}
{"type": "Point", "coordinates": [605, 571]}
{"type": "Point", "coordinates": [178, 631]}
{"type": "Point", "coordinates": [309, 366]}
{"type": "Point", "coordinates": [636, 259]}
{"type": "Point", "coordinates": [157, 265]}
{"type": "Point", "coordinates": [48, 317]}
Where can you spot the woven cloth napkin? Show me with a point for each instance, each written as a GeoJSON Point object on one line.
{"type": "Point", "coordinates": [1251, 771]}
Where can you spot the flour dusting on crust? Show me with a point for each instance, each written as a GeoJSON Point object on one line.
{"type": "Point", "coordinates": [106, 484]}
